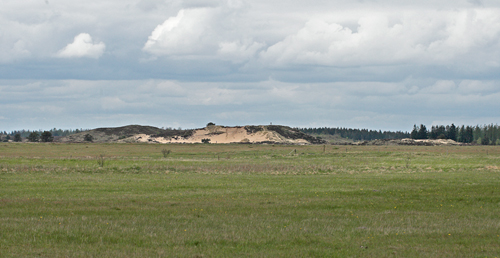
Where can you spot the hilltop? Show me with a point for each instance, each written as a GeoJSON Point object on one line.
{"type": "Point", "coordinates": [214, 133]}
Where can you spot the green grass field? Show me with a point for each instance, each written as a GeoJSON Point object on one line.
{"type": "Point", "coordinates": [209, 200]}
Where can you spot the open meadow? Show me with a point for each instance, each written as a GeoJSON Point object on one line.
{"type": "Point", "coordinates": [242, 200]}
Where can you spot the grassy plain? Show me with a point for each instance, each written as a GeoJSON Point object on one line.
{"type": "Point", "coordinates": [248, 200]}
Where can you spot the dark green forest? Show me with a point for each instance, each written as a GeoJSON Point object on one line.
{"type": "Point", "coordinates": [356, 134]}
{"type": "Point", "coordinates": [54, 132]}
{"type": "Point", "coordinates": [485, 134]}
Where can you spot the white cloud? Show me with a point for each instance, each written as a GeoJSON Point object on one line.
{"type": "Point", "coordinates": [216, 32]}
{"type": "Point", "coordinates": [16, 39]}
{"type": "Point", "coordinates": [83, 46]}
{"type": "Point", "coordinates": [238, 52]}
{"type": "Point", "coordinates": [441, 87]}
{"type": "Point", "coordinates": [187, 33]}
{"type": "Point", "coordinates": [434, 37]}
{"type": "Point", "coordinates": [112, 103]}
{"type": "Point", "coordinates": [475, 87]}
{"type": "Point", "coordinates": [19, 49]}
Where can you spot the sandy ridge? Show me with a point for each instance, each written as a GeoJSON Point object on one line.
{"type": "Point", "coordinates": [219, 134]}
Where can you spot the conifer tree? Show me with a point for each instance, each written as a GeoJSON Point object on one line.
{"type": "Point", "coordinates": [422, 132]}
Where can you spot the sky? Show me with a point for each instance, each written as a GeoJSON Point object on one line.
{"type": "Point", "coordinates": [376, 64]}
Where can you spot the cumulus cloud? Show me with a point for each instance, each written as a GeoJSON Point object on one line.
{"type": "Point", "coordinates": [187, 33]}
{"type": "Point", "coordinates": [238, 52]}
{"type": "Point", "coordinates": [16, 39]}
{"type": "Point", "coordinates": [83, 46]}
{"type": "Point", "coordinates": [258, 38]}
{"type": "Point", "coordinates": [213, 31]}
{"type": "Point", "coordinates": [438, 37]}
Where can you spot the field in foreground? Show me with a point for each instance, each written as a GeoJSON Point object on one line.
{"type": "Point", "coordinates": [64, 200]}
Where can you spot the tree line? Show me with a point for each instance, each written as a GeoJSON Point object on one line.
{"type": "Point", "coordinates": [356, 134]}
{"type": "Point", "coordinates": [485, 134]}
{"type": "Point", "coordinates": [37, 135]}
{"type": "Point", "coordinates": [54, 132]}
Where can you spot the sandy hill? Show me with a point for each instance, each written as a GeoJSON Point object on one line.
{"type": "Point", "coordinates": [214, 133]}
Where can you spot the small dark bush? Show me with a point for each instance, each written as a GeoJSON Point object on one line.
{"type": "Point", "coordinates": [253, 128]}
{"type": "Point", "coordinates": [47, 137]}
{"type": "Point", "coordinates": [165, 152]}
{"type": "Point", "coordinates": [88, 138]}
{"type": "Point", "coordinates": [34, 137]}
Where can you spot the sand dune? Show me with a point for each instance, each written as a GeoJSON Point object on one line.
{"type": "Point", "coordinates": [219, 134]}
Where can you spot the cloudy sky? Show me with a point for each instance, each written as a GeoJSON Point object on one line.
{"type": "Point", "coordinates": [377, 64]}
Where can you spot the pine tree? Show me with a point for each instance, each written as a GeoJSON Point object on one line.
{"type": "Point", "coordinates": [461, 132]}
{"type": "Point", "coordinates": [414, 132]}
{"type": "Point", "coordinates": [34, 137]}
{"type": "Point", "coordinates": [422, 132]}
{"type": "Point", "coordinates": [452, 132]}
{"type": "Point", "coordinates": [47, 137]}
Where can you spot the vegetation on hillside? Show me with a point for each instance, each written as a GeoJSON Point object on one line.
{"type": "Point", "coordinates": [293, 133]}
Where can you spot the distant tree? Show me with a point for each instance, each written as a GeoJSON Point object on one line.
{"type": "Point", "coordinates": [452, 132]}
{"type": "Point", "coordinates": [469, 134]}
{"type": "Point", "coordinates": [461, 134]}
{"type": "Point", "coordinates": [477, 133]}
{"type": "Point", "coordinates": [17, 137]}
{"type": "Point", "coordinates": [34, 137]}
{"type": "Point", "coordinates": [414, 132]}
{"type": "Point", "coordinates": [485, 140]}
{"type": "Point", "coordinates": [47, 137]}
{"type": "Point", "coordinates": [88, 138]}
{"type": "Point", "coordinates": [206, 140]}
{"type": "Point", "coordinates": [433, 133]}
{"type": "Point", "coordinates": [210, 124]}
{"type": "Point", "coordinates": [422, 132]}
{"type": "Point", "coordinates": [440, 132]}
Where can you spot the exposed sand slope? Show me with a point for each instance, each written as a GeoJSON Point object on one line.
{"type": "Point", "coordinates": [219, 134]}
